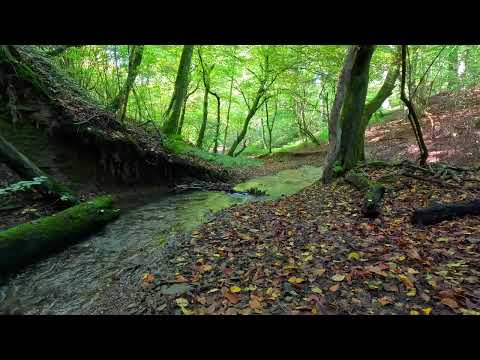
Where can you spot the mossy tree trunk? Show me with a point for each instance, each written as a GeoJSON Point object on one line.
{"type": "Point", "coordinates": [25, 243]}
{"type": "Point", "coordinates": [351, 140]}
{"type": "Point", "coordinates": [27, 169]}
{"type": "Point", "coordinates": [345, 122]}
{"type": "Point", "coordinates": [119, 104]}
{"type": "Point", "coordinates": [181, 83]}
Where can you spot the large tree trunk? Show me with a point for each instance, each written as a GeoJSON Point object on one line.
{"type": "Point", "coordinates": [28, 242]}
{"type": "Point", "coordinates": [27, 169]}
{"type": "Point", "coordinates": [119, 104]}
{"type": "Point", "coordinates": [351, 141]}
{"type": "Point", "coordinates": [181, 84]}
{"type": "Point", "coordinates": [334, 124]}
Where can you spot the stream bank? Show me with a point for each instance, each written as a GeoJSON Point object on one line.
{"type": "Point", "coordinates": [101, 274]}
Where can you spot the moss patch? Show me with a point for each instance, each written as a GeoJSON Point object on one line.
{"type": "Point", "coordinates": [27, 242]}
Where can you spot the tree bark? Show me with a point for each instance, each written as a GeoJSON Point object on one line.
{"type": "Point", "coordinates": [201, 133]}
{"type": "Point", "coordinates": [351, 141]}
{"type": "Point", "coordinates": [228, 114]}
{"type": "Point", "coordinates": [27, 169]}
{"type": "Point", "coordinates": [119, 104]}
{"type": "Point", "coordinates": [412, 116]}
{"type": "Point", "coordinates": [25, 243]}
{"type": "Point", "coordinates": [184, 108]}
{"type": "Point", "coordinates": [217, 128]}
{"type": "Point", "coordinates": [257, 103]}
{"type": "Point", "coordinates": [334, 128]}
{"type": "Point", "coordinates": [181, 82]}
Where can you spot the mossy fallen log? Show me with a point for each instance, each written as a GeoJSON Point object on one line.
{"type": "Point", "coordinates": [441, 212]}
{"type": "Point", "coordinates": [26, 243]}
{"type": "Point", "coordinates": [374, 191]}
{"type": "Point", "coordinates": [27, 169]}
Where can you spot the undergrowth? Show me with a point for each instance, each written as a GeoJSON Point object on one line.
{"type": "Point", "coordinates": [178, 146]}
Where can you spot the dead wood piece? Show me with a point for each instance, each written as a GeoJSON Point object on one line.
{"type": "Point", "coordinates": [441, 212]}
{"type": "Point", "coordinates": [374, 192]}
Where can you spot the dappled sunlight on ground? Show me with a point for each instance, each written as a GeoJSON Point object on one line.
{"type": "Point", "coordinates": [449, 128]}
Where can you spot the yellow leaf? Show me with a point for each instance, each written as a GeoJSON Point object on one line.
{"type": "Point", "coordinates": [317, 290]}
{"type": "Point", "coordinates": [308, 258]}
{"type": "Point", "coordinates": [338, 277]}
{"type": "Point", "coordinates": [207, 268]}
{"type": "Point", "coordinates": [414, 312]}
{"type": "Point", "coordinates": [295, 280]}
{"type": "Point", "coordinates": [181, 302]}
{"type": "Point", "coordinates": [412, 292]}
{"type": "Point", "coordinates": [235, 289]}
{"type": "Point", "coordinates": [401, 258]}
{"type": "Point", "coordinates": [186, 311]}
{"type": "Point", "coordinates": [469, 312]}
{"type": "Point", "coordinates": [244, 237]}
{"type": "Point", "coordinates": [427, 310]}
{"type": "Point", "coordinates": [353, 256]}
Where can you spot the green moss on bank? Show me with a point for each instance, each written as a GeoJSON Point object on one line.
{"type": "Point", "coordinates": [179, 147]}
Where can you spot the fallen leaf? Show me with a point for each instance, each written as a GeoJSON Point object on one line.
{"type": "Point", "coordinates": [353, 256]}
{"type": "Point", "coordinates": [181, 302]}
{"type": "Point", "coordinates": [235, 289]}
{"type": "Point", "coordinates": [334, 287]}
{"type": "Point", "coordinates": [206, 268]}
{"type": "Point", "coordinates": [148, 277]}
{"type": "Point", "coordinates": [338, 277]}
{"type": "Point", "coordinates": [319, 272]}
{"type": "Point", "coordinates": [317, 290]}
{"type": "Point", "coordinates": [412, 292]}
{"type": "Point", "coordinates": [449, 302]}
{"type": "Point", "coordinates": [427, 310]}
{"type": "Point", "coordinates": [233, 298]}
{"type": "Point", "coordinates": [295, 280]}
{"type": "Point", "coordinates": [385, 301]}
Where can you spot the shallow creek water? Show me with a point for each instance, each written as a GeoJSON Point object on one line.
{"type": "Point", "coordinates": [70, 281]}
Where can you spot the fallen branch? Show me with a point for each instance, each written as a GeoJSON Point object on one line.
{"type": "Point", "coordinates": [374, 192]}
{"type": "Point", "coordinates": [25, 243]}
{"type": "Point", "coordinates": [441, 212]}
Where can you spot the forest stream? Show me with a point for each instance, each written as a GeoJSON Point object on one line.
{"type": "Point", "coordinates": [73, 281]}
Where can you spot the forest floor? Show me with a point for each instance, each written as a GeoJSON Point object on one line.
{"type": "Point", "coordinates": [314, 253]}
